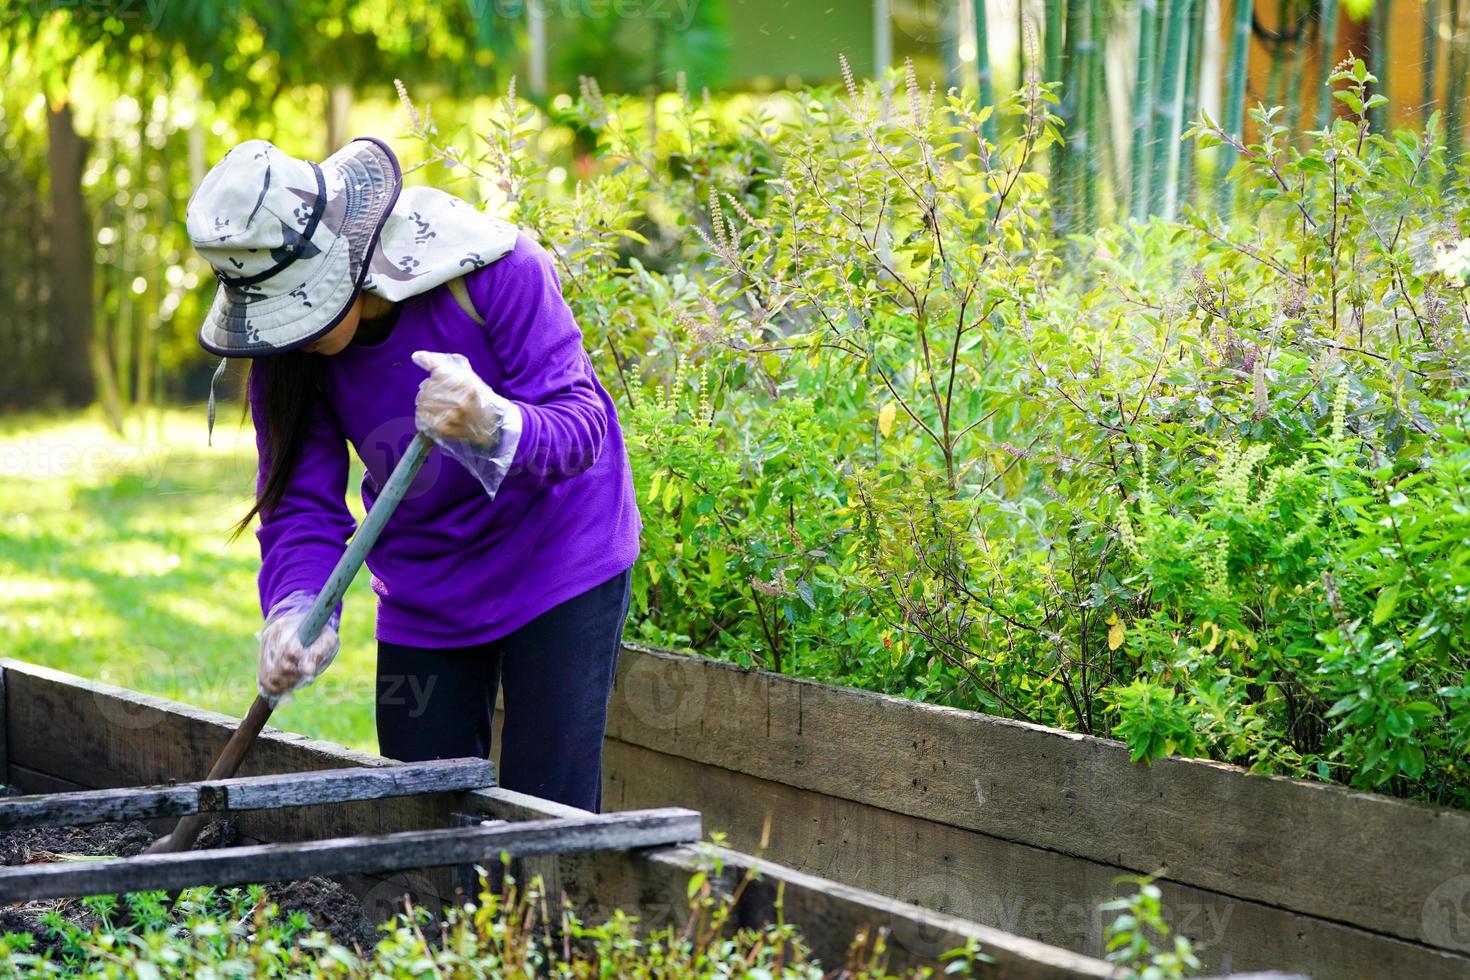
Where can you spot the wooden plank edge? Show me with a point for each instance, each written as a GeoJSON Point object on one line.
{"type": "Point", "coordinates": [1212, 767]}
{"type": "Point", "coordinates": [141, 704]}
{"type": "Point", "coordinates": [915, 933]}
{"type": "Point", "coordinates": [403, 851]}
{"type": "Point", "coordinates": [4, 734]}
{"type": "Point", "coordinates": [245, 793]}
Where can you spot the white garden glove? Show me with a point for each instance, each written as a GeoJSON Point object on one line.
{"type": "Point", "coordinates": [466, 418]}
{"type": "Point", "coordinates": [284, 664]}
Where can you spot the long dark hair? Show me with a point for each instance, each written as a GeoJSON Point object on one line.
{"type": "Point", "coordinates": [291, 384]}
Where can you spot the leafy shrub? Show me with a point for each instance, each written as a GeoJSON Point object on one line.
{"type": "Point", "coordinates": [1189, 484]}
{"type": "Point", "coordinates": [1134, 934]}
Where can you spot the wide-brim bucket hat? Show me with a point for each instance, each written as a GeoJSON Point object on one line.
{"type": "Point", "coordinates": [292, 242]}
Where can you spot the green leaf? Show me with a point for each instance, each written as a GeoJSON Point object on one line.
{"type": "Point", "coordinates": [1388, 599]}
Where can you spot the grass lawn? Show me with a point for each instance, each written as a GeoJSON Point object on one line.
{"type": "Point", "coordinates": [114, 564]}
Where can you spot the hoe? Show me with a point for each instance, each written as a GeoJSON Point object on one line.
{"type": "Point", "coordinates": [229, 760]}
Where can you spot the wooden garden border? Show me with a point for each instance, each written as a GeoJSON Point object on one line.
{"type": "Point", "coordinates": [1026, 827]}
{"type": "Point", "coordinates": [221, 796]}
{"type": "Point", "coordinates": [61, 732]}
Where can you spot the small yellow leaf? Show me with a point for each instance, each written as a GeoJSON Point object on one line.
{"type": "Point", "coordinates": [1210, 629]}
{"type": "Point", "coordinates": [885, 419]}
{"type": "Point", "coordinates": [1115, 631]}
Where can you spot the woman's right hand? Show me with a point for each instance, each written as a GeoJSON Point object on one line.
{"type": "Point", "coordinates": [285, 664]}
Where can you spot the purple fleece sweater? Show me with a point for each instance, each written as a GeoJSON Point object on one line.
{"type": "Point", "coordinates": [453, 566]}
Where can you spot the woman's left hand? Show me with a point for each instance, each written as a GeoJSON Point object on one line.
{"type": "Point", "coordinates": [453, 403]}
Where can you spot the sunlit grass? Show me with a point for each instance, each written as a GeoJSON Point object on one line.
{"type": "Point", "coordinates": [115, 565]}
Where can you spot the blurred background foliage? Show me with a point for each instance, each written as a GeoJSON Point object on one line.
{"type": "Point", "coordinates": [113, 111]}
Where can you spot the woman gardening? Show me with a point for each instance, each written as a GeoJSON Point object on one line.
{"type": "Point", "coordinates": [370, 311]}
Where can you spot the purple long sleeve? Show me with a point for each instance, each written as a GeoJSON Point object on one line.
{"type": "Point", "coordinates": [455, 566]}
{"type": "Point", "coordinates": [544, 368]}
{"type": "Point", "coordinates": [304, 535]}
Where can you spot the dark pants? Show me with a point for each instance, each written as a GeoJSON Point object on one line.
{"type": "Point", "coordinates": [557, 672]}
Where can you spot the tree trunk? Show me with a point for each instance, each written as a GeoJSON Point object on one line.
{"type": "Point", "coordinates": [536, 60]}
{"type": "Point", "coordinates": [339, 108]}
{"type": "Point", "coordinates": [71, 259]}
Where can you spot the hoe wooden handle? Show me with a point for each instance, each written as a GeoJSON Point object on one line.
{"type": "Point", "coordinates": [228, 763]}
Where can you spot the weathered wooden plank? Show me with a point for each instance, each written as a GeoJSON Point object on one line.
{"type": "Point", "coordinates": [31, 781]}
{"type": "Point", "coordinates": [349, 855]}
{"type": "Point", "coordinates": [98, 806]}
{"type": "Point", "coordinates": [240, 793]}
{"type": "Point", "coordinates": [832, 909]}
{"type": "Point", "coordinates": [117, 738]}
{"type": "Point", "coordinates": [4, 748]}
{"type": "Point", "coordinates": [1023, 890]}
{"type": "Point", "coordinates": [657, 883]}
{"type": "Point", "coordinates": [1329, 852]}
{"type": "Point", "coordinates": [351, 785]}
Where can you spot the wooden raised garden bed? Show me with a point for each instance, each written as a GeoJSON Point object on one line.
{"type": "Point", "coordinates": [63, 734]}
{"type": "Point", "coordinates": [1024, 828]}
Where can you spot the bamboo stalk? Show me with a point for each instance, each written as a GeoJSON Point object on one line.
{"type": "Point", "coordinates": [1143, 105]}
{"type": "Point", "coordinates": [1454, 96]}
{"type": "Point", "coordinates": [1294, 77]}
{"type": "Point", "coordinates": [1101, 136]}
{"type": "Point", "coordinates": [1378, 55]}
{"type": "Point", "coordinates": [1192, 58]}
{"type": "Point", "coordinates": [1080, 142]}
{"type": "Point", "coordinates": [1066, 187]}
{"type": "Point", "coordinates": [949, 45]}
{"type": "Point", "coordinates": [1431, 50]}
{"type": "Point", "coordinates": [1168, 111]}
{"type": "Point", "coordinates": [1329, 58]}
{"type": "Point", "coordinates": [1051, 62]}
{"type": "Point", "coordinates": [883, 37]}
{"type": "Point", "coordinates": [1273, 75]}
{"type": "Point", "coordinates": [1234, 122]}
{"type": "Point", "coordinates": [982, 66]}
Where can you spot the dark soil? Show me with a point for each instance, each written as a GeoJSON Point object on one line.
{"type": "Point", "coordinates": [328, 905]}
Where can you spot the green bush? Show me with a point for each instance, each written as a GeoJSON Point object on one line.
{"type": "Point", "coordinates": [514, 935]}
{"type": "Point", "coordinates": [1191, 485]}
{"type": "Point", "coordinates": [510, 935]}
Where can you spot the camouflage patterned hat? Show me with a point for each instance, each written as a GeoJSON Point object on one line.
{"type": "Point", "coordinates": [292, 241]}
